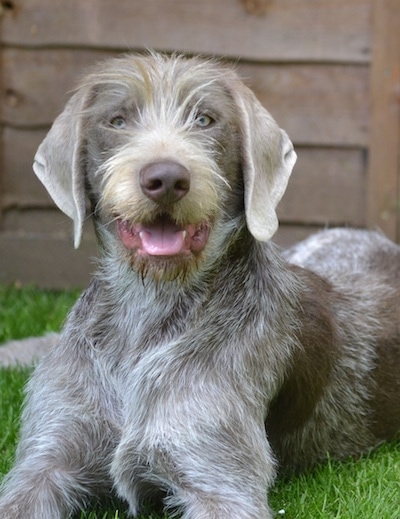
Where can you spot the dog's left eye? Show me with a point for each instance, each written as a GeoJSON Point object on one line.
{"type": "Point", "coordinates": [118, 122]}
{"type": "Point", "coordinates": [203, 120]}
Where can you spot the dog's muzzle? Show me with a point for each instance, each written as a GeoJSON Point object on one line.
{"type": "Point", "coordinates": [165, 183]}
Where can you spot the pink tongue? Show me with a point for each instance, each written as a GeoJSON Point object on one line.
{"type": "Point", "coordinates": [162, 240]}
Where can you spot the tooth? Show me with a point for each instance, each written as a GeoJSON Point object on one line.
{"type": "Point", "coordinates": [184, 233]}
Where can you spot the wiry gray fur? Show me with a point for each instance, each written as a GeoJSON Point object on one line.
{"type": "Point", "coordinates": [199, 375]}
{"type": "Point", "coordinates": [26, 351]}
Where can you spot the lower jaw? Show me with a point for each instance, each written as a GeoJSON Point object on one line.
{"type": "Point", "coordinates": [165, 269]}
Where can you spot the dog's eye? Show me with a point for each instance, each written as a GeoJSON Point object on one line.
{"type": "Point", "coordinates": [118, 122]}
{"type": "Point", "coordinates": [203, 120]}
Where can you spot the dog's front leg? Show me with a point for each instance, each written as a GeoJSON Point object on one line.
{"type": "Point", "coordinates": [64, 450]}
{"type": "Point", "coordinates": [207, 470]}
{"type": "Point", "coordinates": [225, 479]}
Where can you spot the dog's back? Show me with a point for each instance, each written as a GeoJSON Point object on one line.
{"type": "Point", "coordinates": [348, 252]}
{"type": "Point", "coordinates": [352, 309]}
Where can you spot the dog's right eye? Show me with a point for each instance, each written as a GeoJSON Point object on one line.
{"type": "Point", "coordinates": [118, 122]}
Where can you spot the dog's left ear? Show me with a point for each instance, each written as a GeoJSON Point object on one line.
{"type": "Point", "coordinates": [58, 164]}
{"type": "Point", "coordinates": [268, 160]}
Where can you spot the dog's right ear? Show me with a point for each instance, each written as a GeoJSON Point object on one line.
{"type": "Point", "coordinates": [58, 163]}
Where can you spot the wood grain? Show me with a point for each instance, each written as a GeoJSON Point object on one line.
{"type": "Point", "coordinates": [327, 185]}
{"type": "Point", "coordinates": [384, 165]}
{"type": "Point", "coordinates": [20, 186]}
{"type": "Point", "coordinates": [317, 104]}
{"type": "Point", "coordinates": [48, 261]}
{"type": "Point", "coordinates": [286, 30]}
{"type": "Point", "coordinates": [288, 235]}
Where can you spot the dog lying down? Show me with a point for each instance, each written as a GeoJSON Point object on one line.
{"type": "Point", "coordinates": [200, 361]}
{"type": "Point", "coordinates": [26, 351]}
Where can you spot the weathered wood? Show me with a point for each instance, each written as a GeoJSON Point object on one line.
{"type": "Point", "coordinates": [1, 143]}
{"type": "Point", "coordinates": [288, 235]}
{"type": "Point", "coordinates": [287, 30]}
{"type": "Point", "coordinates": [20, 186]}
{"type": "Point", "coordinates": [384, 165]}
{"type": "Point", "coordinates": [44, 260]}
{"type": "Point", "coordinates": [48, 221]}
{"type": "Point", "coordinates": [327, 187]}
{"type": "Point", "coordinates": [316, 104]}
{"type": "Point", "coordinates": [38, 83]}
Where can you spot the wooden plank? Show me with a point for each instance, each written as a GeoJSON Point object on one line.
{"type": "Point", "coordinates": [37, 84]}
{"type": "Point", "coordinates": [316, 104]}
{"type": "Point", "coordinates": [20, 186]}
{"type": "Point", "coordinates": [327, 187]}
{"type": "Point", "coordinates": [1, 141]}
{"type": "Point", "coordinates": [384, 165]}
{"type": "Point", "coordinates": [286, 30]}
{"type": "Point", "coordinates": [46, 261]}
{"type": "Point", "coordinates": [288, 235]}
{"type": "Point", "coordinates": [47, 221]}
{"type": "Point", "coordinates": [328, 184]}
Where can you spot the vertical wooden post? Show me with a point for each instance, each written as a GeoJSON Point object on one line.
{"type": "Point", "coordinates": [383, 194]}
{"type": "Point", "coordinates": [1, 121]}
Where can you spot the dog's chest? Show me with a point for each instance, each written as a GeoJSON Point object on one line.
{"type": "Point", "coordinates": [142, 334]}
{"type": "Point", "coordinates": [154, 373]}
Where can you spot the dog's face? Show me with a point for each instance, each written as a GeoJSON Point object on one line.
{"type": "Point", "coordinates": [168, 150]}
{"type": "Point", "coordinates": [163, 161]}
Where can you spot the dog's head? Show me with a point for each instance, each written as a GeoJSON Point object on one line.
{"type": "Point", "coordinates": [169, 151]}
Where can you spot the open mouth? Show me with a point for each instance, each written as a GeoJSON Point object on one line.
{"type": "Point", "coordinates": [163, 237]}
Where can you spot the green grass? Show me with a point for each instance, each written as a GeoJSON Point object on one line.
{"type": "Point", "coordinates": [367, 488]}
{"type": "Point", "coordinates": [38, 311]}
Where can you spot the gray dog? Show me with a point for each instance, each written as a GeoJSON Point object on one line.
{"type": "Point", "coordinates": [199, 360]}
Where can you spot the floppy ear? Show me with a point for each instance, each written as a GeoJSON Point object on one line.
{"type": "Point", "coordinates": [58, 164]}
{"type": "Point", "coordinates": [268, 160]}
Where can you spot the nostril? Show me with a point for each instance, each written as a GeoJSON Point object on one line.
{"type": "Point", "coordinates": [165, 182]}
{"type": "Point", "coordinates": [154, 184]}
{"type": "Point", "coordinates": [182, 185]}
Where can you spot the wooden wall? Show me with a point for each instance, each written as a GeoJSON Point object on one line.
{"type": "Point", "coordinates": [328, 71]}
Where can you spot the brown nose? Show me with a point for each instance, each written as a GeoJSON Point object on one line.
{"type": "Point", "coordinates": [165, 182]}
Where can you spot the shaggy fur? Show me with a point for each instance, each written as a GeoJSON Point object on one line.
{"type": "Point", "coordinates": [200, 360]}
{"type": "Point", "coordinates": [26, 351]}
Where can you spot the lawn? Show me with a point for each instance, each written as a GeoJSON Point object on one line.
{"type": "Point", "coordinates": [368, 488]}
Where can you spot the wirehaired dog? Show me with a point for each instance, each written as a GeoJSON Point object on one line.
{"type": "Point", "coordinates": [199, 360]}
{"type": "Point", "coordinates": [26, 351]}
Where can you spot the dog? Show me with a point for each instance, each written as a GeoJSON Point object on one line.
{"type": "Point", "coordinates": [26, 352]}
{"type": "Point", "coordinates": [201, 359]}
